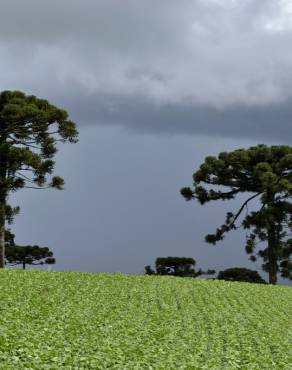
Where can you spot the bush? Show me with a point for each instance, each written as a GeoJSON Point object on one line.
{"type": "Point", "coordinates": [241, 274]}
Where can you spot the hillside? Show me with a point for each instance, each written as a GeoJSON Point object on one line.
{"type": "Point", "coordinates": [70, 320]}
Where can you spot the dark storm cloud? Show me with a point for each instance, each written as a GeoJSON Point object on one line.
{"type": "Point", "coordinates": [273, 122]}
{"type": "Point", "coordinates": [212, 66]}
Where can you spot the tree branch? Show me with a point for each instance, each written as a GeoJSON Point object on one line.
{"type": "Point", "coordinates": [35, 187]}
{"type": "Point", "coordinates": [242, 207]}
{"type": "Point", "coordinates": [25, 177]}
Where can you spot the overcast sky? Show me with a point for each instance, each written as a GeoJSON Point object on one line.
{"type": "Point", "coordinates": [154, 86]}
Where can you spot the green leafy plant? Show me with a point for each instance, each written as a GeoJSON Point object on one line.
{"type": "Point", "coordinates": [70, 320]}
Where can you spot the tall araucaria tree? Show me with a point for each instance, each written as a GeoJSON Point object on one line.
{"type": "Point", "coordinates": [30, 129]}
{"type": "Point", "coordinates": [264, 174]}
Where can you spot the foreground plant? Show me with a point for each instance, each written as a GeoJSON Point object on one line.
{"type": "Point", "coordinates": [70, 320]}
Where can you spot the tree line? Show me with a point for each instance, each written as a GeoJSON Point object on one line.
{"type": "Point", "coordinates": [185, 267]}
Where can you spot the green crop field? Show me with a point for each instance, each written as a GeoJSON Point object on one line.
{"type": "Point", "coordinates": [71, 320]}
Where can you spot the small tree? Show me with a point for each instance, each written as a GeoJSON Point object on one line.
{"type": "Point", "coordinates": [264, 173]}
{"type": "Point", "coordinates": [30, 129]}
{"type": "Point", "coordinates": [241, 274]}
{"type": "Point", "coordinates": [25, 255]}
{"type": "Point", "coordinates": [28, 255]}
{"type": "Point", "coordinates": [175, 266]}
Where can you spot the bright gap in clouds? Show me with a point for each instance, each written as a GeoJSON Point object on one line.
{"type": "Point", "coordinates": [282, 19]}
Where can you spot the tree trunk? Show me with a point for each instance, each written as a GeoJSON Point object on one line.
{"type": "Point", "coordinates": [23, 265]}
{"type": "Point", "coordinates": [272, 245]}
{"type": "Point", "coordinates": [3, 199]}
{"type": "Point", "coordinates": [3, 196]}
{"type": "Point", "coordinates": [273, 268]}
{"type": "Point", "coordinates": [2, 228]}
{"type": "Point", "coordinates": [2, 243]}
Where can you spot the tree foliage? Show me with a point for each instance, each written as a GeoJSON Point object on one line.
{"type": "Point", "coordinates": [175, 266]}
{"type": "Point", "coordinates": [265, 174]}
{"type": "Point", "coordinates": [30, 129]}
{"type": "Point", "coordinates": [26, 255]}
{"type": "Point", "coordinates": [241, 274]}
{"type": "Point", "coordinates": [29, 255]}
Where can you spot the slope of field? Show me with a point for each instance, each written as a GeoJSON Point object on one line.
{"type": "Point", "coordinates": [60, 320]}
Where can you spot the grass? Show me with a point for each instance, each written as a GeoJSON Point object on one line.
{"type": "Point", "coordinates": [61, 320]}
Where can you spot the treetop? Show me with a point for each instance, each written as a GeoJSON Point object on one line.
{"type": "Point", "coordinates": [255, 169]}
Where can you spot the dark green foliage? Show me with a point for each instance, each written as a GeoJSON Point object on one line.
{"type": "Point", "coordinates": [30, 129]}
{"type": "Point", "coordinates": [9, 238]}
{"type": "Point", "coordinates": [25, 255]}
{"type": "Point", "coordinates": [28, 255]}
{"type": "Point", "coordinates": [175, 266]}
{"type": "Point", "coordinates": [149, 271]}
{"type": "Point", "coordinates": [241, 274]}
{"type": "Point", "coordinates": [265, 174]}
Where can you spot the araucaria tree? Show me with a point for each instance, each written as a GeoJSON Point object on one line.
{"type": "Point", "coordinates": [264, 174]}
{"type": "Point", "coordinates": [30, 129]}
{"type": "Point", "coordinates": [29, 255]}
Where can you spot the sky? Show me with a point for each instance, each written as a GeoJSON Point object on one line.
{"type": "Point", "coordinates": [154, 87]}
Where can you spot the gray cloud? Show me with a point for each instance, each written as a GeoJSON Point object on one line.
{"type": "Point", "coordinates": [212, 66]}
{"type": "Point", "coordinates": [264, 123]}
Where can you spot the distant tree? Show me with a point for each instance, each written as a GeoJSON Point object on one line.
{"type": "Point", "coordinates": [175, 266]}
{"type": "Point", "coordinates": [240, 274]}
{"type": "Point", "coordinates": [149, 271]}
{"type": "Point", "coordinates": [26, 255]}
{"type": "Point", "coordinates": [29, 255]}
{"type": "Point", "coordinates": [30, 129]}
{"type": "Point", "coordinates": [264, 173]}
